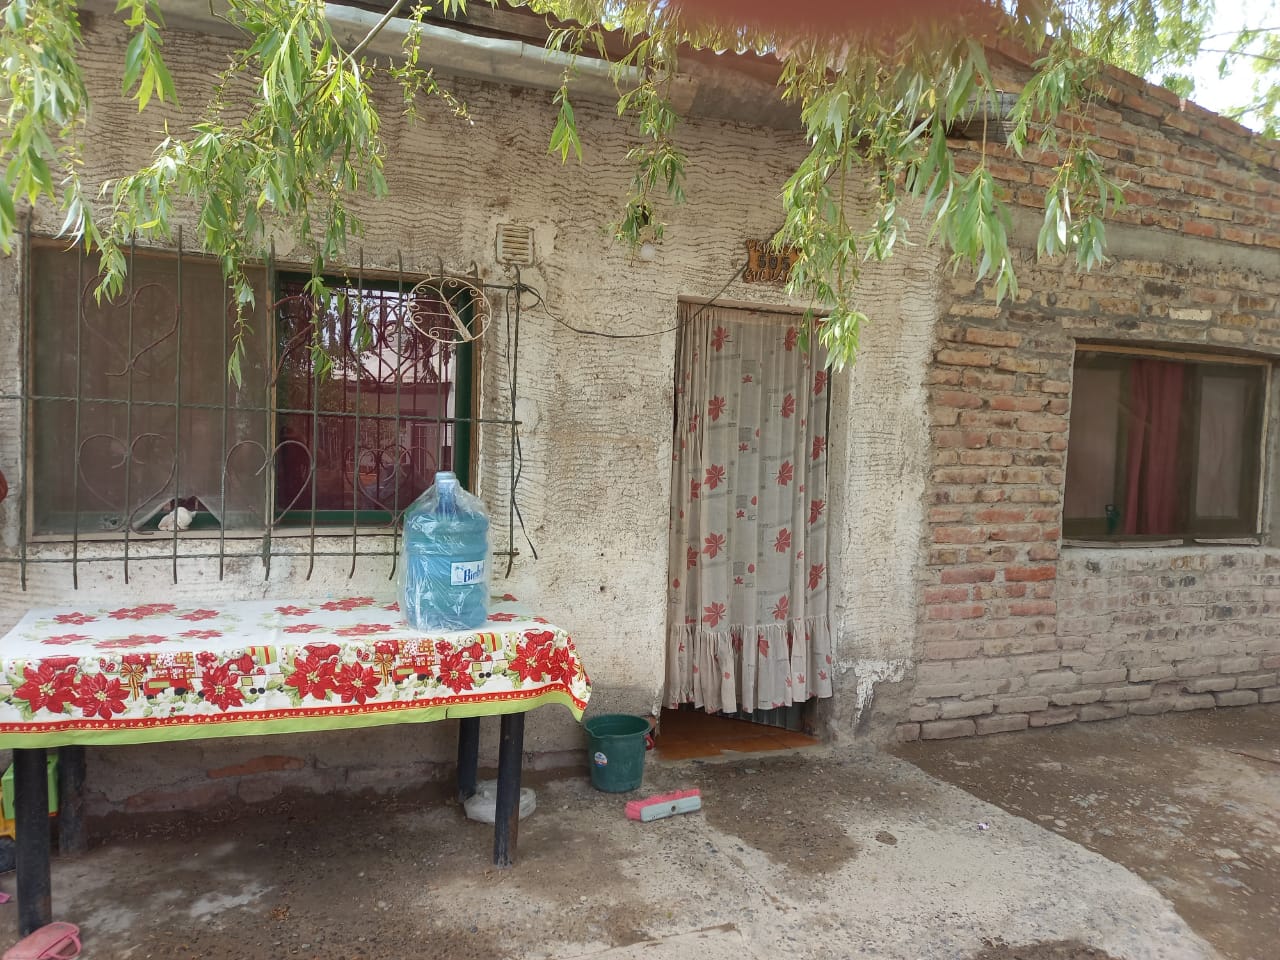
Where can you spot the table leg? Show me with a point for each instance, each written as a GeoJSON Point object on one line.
{"type": "Point", "coordinates": [31, 815]}
{"type": "Point", "coordinates": [72, 839]}
{"type": "Point", "coordinates": [506, 820]}
{"type": "Point", "coordinates": [468, 756]}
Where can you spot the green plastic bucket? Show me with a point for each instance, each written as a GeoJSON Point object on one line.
{"type": "Point", "coordinates": [616, 744]}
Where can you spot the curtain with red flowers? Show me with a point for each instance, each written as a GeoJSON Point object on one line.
{"type": "Point", "coordinates": [748, 626]}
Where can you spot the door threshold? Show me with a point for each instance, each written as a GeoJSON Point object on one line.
{"type": "Point", "coordinates": [690, 735]}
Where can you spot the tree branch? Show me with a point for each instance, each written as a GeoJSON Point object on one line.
{"type": "Point", "coordinates": [377, 29]}
{"type": "Point", "coordinates": [1265, 58]}
{"type": "Point", "coordinates": [1236, 33]}
{"type": "Point", "coordinates": [217, 15]}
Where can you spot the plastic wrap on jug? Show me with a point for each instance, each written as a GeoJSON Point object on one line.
{"type": "Point", "coordinates": [444, 563]}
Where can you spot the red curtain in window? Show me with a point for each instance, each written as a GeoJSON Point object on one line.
{"type": "Point", "coordinates": [1155, 411]}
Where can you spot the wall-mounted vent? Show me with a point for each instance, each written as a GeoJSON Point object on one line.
{"type": "Point", "coordinates": [515, 244]}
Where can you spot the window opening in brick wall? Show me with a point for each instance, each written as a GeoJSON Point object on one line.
{"type": "Point", "coordinates": [125, 410]}
{"type": "Point", "coordinates": [1164, 446]}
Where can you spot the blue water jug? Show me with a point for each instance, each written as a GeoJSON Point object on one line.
{"type": "Point", "coordinates": [444, 563]}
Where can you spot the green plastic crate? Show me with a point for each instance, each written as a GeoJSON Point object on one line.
{"type": "Point", "coordinates": [6, 787]}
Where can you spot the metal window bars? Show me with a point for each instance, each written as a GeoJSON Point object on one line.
{"type": "Point", "coordinates": [143, 379]}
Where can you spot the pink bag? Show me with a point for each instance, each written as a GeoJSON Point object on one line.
{"type": "Point", "coordinates": [53, 941]}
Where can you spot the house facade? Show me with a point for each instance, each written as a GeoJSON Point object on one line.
{"type": "Point", "coordinates": [972, 585]}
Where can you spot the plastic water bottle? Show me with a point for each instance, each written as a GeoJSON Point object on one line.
{"type": "Point", "coordinates": [444, 564]}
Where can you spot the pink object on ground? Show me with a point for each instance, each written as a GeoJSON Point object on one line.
{"type": "Point", "coordinates": [53, 941]}
{"type": "Point", "coordinates": [664, 805]}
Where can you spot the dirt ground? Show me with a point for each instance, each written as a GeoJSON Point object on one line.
{"type": "Point", "coordinates": [1190, 802]}
{"type": "Point", "coordinates": [821, 853]}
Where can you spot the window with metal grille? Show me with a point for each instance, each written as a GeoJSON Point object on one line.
{"type": "Point", "coordinates": [1164, 445]}
{"type": "Point", "coordinates": [132, 407]}
{"type": "Point", "coordinates": [346, 407]}
{"type": "Point", "coordinates": [367, 434]}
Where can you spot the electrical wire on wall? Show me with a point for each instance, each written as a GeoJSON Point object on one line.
{"type": "Point", "coordinates": [542, 305]}
{"type": "Point", "coordinates": [520, 288]}
{"type": "Point", "coordinates": [517, 452]}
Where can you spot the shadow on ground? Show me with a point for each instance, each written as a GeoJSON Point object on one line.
{"type": "Point", "coordinates": [1062, 950]}
{"type": "Point", "coordinates": [1190, 802]}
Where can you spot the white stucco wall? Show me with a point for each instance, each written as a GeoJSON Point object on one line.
{"type": "Point", "coordinates": [881, 444]}
{"type": "Point", "coordinates": [597, 412]}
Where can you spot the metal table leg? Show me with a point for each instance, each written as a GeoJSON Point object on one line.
{"type": "Point", "coordinates": [468, 756]}
{"type": "Point", "coordinates": [72, 839]}
{"type": "Point", "coordinates": [506, 820]}
{"type": "Point", "coordinates": [31, 815]}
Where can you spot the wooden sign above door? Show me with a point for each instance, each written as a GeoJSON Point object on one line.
{"type": "Point", "coordinates": [766, 265]}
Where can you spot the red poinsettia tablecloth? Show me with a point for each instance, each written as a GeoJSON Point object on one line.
{"type": "Point", "coordinates": [160, 671]}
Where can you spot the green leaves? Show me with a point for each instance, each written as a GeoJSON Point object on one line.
{"type": "Point", "coordinates": [644, 74]}
{"type": "Point", "coordinates": [1158, 38]}
{"type": "Point", "coordinates": [45, 99]}
{"type": "Point", "coordinates": [976, 228]}
{"type": "Point", "coordinates": [1254, 54]}
{"type": "Point", "coordinates": [877, 109]}
{"type": "Point", "coordinates": [288, 163]}
{"type": "Point", "coordinates": [144, 67]}
{"type": "Point", "coordinates": [564, 135]}
{"type": "Point", "coordinates": [1075, 205]}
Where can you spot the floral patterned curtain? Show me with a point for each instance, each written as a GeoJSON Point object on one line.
{"type": "Point", "coordinates": [748, 626]}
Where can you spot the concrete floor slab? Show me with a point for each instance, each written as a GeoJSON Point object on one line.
{"type": "Point", "coordinates": [1189, 801]}
{"type": "Point", "coordinates": [815, 854]}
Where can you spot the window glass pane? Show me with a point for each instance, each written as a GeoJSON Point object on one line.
{"type": "Point", "coordinates": [380, 429]}
{"type": "Point", "coordinates": [148, 362]}
{"type": "Point", "coordinates": [1163, 447]}
{"type": "Point", "coordinates": [1224, 403]}
{"type": "Point", "coordinates": [1094, 442]}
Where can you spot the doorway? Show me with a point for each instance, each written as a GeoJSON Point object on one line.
{"type": "Point", "coordinates": [748, 625]}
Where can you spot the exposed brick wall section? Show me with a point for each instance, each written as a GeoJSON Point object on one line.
{"type": "Point", "coordinates": [1017, 631]}
{"type": "Point", "coordinates": [1186, 169]}
{"type": "Point", "coordinates": [1150, 631]}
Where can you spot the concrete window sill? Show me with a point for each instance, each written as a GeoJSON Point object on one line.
{"type": "Point", "coordinates": [1149, 544]}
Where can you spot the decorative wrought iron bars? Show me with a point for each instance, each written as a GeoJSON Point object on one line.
{"type": "Point", "coordinates": [137, 446]}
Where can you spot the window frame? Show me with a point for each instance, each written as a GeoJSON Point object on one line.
{"type": "Point", "coordinates": [1091, 531]}
{"type": "Point", "coordinates": [468, 359]}
{"type": "Point", "coordinates": [464, 447]}
{"type": "Point", "coordinates": [30, 348]}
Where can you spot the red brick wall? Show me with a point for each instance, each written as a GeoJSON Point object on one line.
{"type": "Point", "coordinates": [1186, 169]}
{"type": "Point", "coordinates": [1016, 630]}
